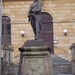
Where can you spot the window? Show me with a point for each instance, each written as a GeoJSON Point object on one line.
{"type": "Point", "coordinates": [6, 30]}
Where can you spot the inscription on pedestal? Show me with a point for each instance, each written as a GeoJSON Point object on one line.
{"type": "Point", "coordinates": [34, 66]}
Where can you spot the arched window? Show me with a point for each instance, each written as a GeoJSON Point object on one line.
{"type": "Point", "coordinates": [6, 30]}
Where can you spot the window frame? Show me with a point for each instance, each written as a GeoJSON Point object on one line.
{"type": "Point", "coordinates": [6, 30]}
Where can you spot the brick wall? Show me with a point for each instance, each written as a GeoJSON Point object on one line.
{"type": "Point", "coordinates": [62, 11]}
{"type": "Point", "coordinates": [17, 11]}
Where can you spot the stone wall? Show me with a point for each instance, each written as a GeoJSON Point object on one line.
{"type": "Point", "coordinates": [62, 11]}
{"type": "Point", "coordinates": [17, 12]}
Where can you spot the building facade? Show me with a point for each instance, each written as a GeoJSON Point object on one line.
{"type": "Point", "coordinates": [59, 13]}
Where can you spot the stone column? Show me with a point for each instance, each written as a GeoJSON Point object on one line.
{"type": "Point", "coordinates": [11, 56]}
{"type": "Point", "coordinates": [35, 59]}
{"type": "Point", "coordinates": [73, 57]}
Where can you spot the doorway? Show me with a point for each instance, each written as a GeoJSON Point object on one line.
{"type": "Point", "coordinates": [47, 30]}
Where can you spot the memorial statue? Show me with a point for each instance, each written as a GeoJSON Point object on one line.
{"type": "Point", "coordinates": [34, 15]}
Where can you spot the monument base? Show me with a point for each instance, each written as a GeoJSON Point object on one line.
{"type": "Point", "coordinates": [35, 59]}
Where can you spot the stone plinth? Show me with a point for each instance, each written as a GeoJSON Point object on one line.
{"type": "Point", "coordinates": [35, 59]}
{"type": "Point", "coordinates": [7, 59]}
{"type": "Point", "coordinates": [8, 54]}
{"type": "Point", "coordinates": [73, 52]}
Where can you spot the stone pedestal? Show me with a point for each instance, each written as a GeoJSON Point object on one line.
{"type": "Point", "coordinates": [73, 52]}
{"type": "Point", "coordinates": [73, 57]}
{"type": "Point", "coordinates": [7, 59]}
{"type": "Point", "coordinates": [8, 54]}
{"type": "Point", "coordinates": [35, 59]}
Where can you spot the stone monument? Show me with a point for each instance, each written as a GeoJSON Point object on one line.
{"type": "Point", "coordinates": [35, 59]}
{"type": "Point", "coordinates": [34, 15]}
{"type": "Point", "coordinates": [34, 54]}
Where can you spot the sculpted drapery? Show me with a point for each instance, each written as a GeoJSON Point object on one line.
{"type": "Point", "coordinates": [34, 15]}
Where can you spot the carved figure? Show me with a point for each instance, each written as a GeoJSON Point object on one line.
{"type": "Point", "coordinates": [34, 15]}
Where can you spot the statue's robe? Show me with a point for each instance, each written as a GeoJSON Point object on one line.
{"type": "Point", "coordinates": [35, 15]}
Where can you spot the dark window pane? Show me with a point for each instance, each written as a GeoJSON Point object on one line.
{"type": "Point", "coordinates": [2, 20]}
{"type": "Point", "coordinates": [2, 26]}
{"type": "Point", "coordinates": [8, 40]}
{"type": "Point", "coordinates": [2, 32]}
{"type": "Point", "coordinates": [2, 41]}
{"type": "Point", "coordinates": [8, 32]}
{"type": "Point", "coordinates": [2, 29]}
{"type": "Point", "coordinates": [8, 26]}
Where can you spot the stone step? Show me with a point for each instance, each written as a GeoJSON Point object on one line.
{"type": "Point", "coordinates": [68, 64]}
{"type": "Point", "coordinates": [61, 66]}
{"type": "Point", "coordinates": [65, 74]}
{"type": "Point", "coordinates": [60, 61]}
{"type": "Point", "coordinates": [57, 59]}
{"type": "Point", "coordinates": [66, 56]}
{"type": "Point", "coordinates": [62, 69]}
{"type": "Point", "coordinates": [13, 69]}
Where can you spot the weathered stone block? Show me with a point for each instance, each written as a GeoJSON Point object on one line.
{"type": "Point", "coordinates": [35, 59]}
